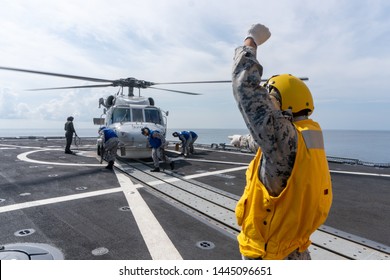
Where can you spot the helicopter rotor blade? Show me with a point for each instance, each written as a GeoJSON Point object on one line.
{"type": "Point", "coordinates": [213, 82]}
{"type": "Point", "coordinates": [56, 74]}
{"type": "Point", "coordinates": [178, 91]}
{"type": "Point", "coordinates": [301, 78]}
{"type": "Point", "coordinates": [86, 86]}
{"type": "Point", "coordinates": [196, 82]}
{"type": "Point", "coordinates": [128, 82]}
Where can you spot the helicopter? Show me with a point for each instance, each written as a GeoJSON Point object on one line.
{"type": "Point", "coordinates": [125, 114]}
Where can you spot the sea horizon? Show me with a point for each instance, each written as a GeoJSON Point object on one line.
{"type": "Point", "coordinates": [364, 145]}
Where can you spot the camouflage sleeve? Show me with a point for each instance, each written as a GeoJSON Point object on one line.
{"type": "Point", "coordinates": [271, 128]}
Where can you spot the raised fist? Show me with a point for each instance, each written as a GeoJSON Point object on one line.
{"type": "Point", "coordinates": [259, 33]}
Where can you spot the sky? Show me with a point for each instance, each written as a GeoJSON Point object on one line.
{"type": "Point", "coordinates": [342, 46]}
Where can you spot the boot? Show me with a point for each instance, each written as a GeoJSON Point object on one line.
{"type": "Point", "coordinates": [172, 164]}
{"type": "Point", "coordinates": [156, 169]}
{"type": "Point", "coordinates": [110, 165]}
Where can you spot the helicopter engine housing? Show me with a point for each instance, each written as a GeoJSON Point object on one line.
{"type": "Point", "coordinates": [110, 101]}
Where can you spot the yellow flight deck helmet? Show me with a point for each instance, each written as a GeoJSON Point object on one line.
{"type": "Point", "coordinates": [294, 93]}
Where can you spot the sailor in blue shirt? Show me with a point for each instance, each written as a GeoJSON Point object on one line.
{"type": "Point", "coordinates": [187, 139]}
{"type": "Point", "coordinates": [157, 142]}
{"type": "Point", "coordinates": [110, 144]}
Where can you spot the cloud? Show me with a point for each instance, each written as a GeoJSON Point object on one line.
{"type": "Point", "coordinates": [7, 102]}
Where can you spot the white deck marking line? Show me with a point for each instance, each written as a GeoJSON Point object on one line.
{"type": "Point", "coordinates": [24, 157]}
{"type": "Point", "coordinates": [53, 200]}
{"type": "Point", "coordinates": [238, 163]}
{"type": "Point", "coordinates": [218, 151]}
{"type": "Point", "coordinates": [215, 172]}
{"type": "Point", "coordinates": [159, 245]}
{"type": "Point", "coordinates": [216, 161]}
{"type": "Point", "coordinates": [22, 147]}
{"type": "Point", "coordinates": [249, 154]}
{"type": "Point", "coordinates": [175, 179]}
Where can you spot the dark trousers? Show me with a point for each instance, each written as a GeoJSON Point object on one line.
{"type": "Point", "coordinates": [69, 138]}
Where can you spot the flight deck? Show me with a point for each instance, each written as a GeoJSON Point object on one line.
{"type": "Point", "coordinates": [60, 206]}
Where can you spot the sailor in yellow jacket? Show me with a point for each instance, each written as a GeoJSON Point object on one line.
{"type": "Point", "coordinates": [288, 191]}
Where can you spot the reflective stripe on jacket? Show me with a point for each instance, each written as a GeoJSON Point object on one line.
{"type": "Point", "coordinates": [273, 227]}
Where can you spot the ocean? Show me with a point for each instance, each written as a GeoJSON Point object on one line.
{"type": "Point", "coordinates": [363, 145]}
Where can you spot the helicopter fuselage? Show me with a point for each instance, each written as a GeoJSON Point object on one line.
{"type": "Point", "coordinates": [126, 118]}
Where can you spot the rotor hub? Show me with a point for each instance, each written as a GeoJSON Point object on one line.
{"type": "Point", "coordinates": [132, 82]}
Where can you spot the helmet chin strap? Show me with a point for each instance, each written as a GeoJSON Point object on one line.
{"type": "Point", "coordinates": [300, 118]}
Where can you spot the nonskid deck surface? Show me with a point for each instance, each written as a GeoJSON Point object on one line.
{"type": "Point", "coordinates": [59, 206]}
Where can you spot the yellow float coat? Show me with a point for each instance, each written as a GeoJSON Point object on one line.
{"type": "Point", "coordinates": [273, 227]}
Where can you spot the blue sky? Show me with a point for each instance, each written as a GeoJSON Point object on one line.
{"type": "Point", "coordinates": [342, 46]}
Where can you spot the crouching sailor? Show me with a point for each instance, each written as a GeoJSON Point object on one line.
{"type": "Point", "coordinates": [157, 142]}
{"type": "Point", "coordinates": [187, 139]}
{"type": "Point", "coordinates": [110, 145]}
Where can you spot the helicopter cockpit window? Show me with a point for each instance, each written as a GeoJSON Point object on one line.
{"type": "Point", "coordinates": [137, 115]}
{"type": "Point", "coordinates": [152, 116]}
{"type": "Point", "coordinates": [121, 115]}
